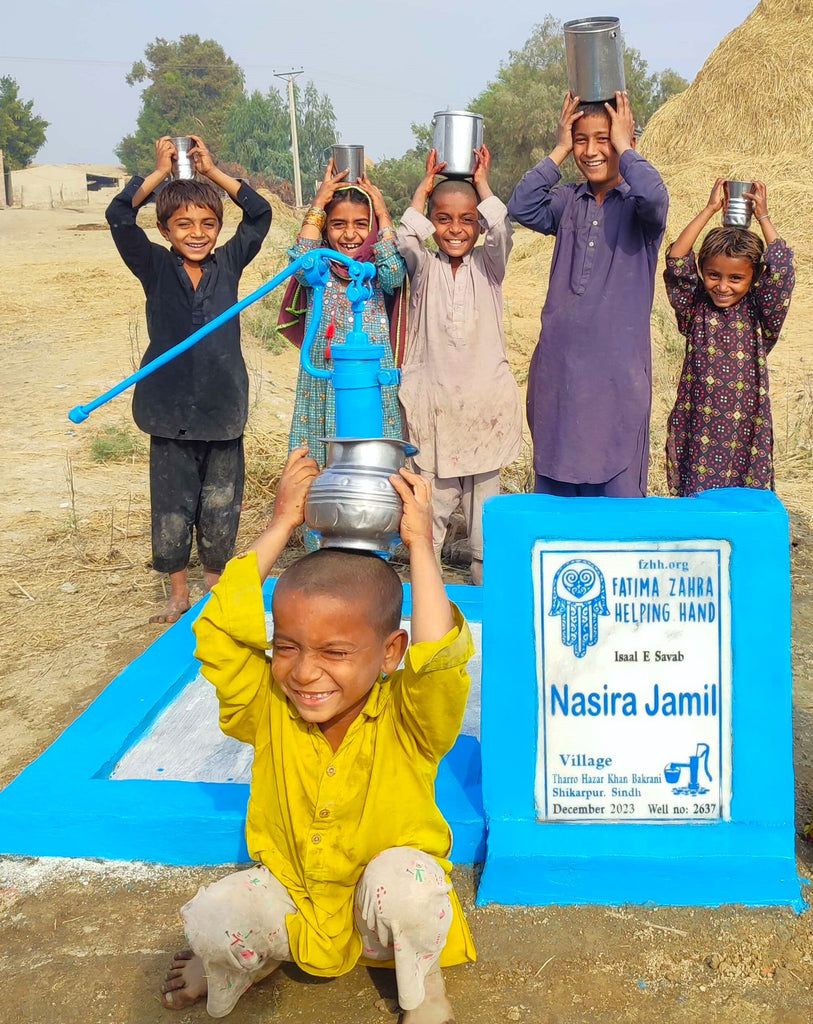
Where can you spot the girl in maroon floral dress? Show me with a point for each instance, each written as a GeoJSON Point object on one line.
{"type": "Point", "coordinates": [730, 307]}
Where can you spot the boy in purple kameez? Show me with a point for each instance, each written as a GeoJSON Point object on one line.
{"type": "Point", "coordinates": [590, 379]}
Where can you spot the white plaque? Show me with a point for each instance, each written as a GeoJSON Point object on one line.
{"type": "Point", "coordinates": [633, 659]}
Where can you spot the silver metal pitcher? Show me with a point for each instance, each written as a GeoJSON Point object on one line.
{"type": "Point", "coordinates": [349, 158]}
{"type": "Point", "coordinates": [595, 58]}
{"type": "Point", "coordinates": [457, 134]}
{"type": "Point", "coordinates": [737, 211]}
{"type": "Point", "coordinates": [352, 503]}
{"type": "Point", "coordinates": [182, 167]}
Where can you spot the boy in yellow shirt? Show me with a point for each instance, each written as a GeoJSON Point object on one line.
{"type": "Point", "coordinates": [352, 849]}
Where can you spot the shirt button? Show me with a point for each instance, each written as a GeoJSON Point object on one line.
{"type": "Point", "coordinates": [331, 770]}
{"type": "Point", "coordinates": [595, 223]}
{"type": "Point", "coordinates": [591, 244]}
{"type": "Point", "coordinates": [324, 813]}
{"type": "Point", "coordinates": [316, 840]}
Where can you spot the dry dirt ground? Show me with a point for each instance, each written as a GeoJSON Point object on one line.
{"type": "Point", "coordinates": [86, 942]}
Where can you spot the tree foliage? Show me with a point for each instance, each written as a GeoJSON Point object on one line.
{"type": "Point", "coordinates": [400, 176]}
{"type": "Point", "coordinates": [522, 106]}
{"type": "Point", "coordinates": [191, 86]}
{"type": "Point", "coordinates": [22, 132]}
{"type": "Point", "coordinates": [258, 134]}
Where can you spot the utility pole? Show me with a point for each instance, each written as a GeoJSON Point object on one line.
{"type": "Point", "coordinates": [290, 76]}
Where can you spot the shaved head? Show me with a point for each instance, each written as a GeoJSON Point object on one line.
{"type": "Point", "coordinates": [363, 580]}
{"type": "Point", "coordinates": [453, 186]}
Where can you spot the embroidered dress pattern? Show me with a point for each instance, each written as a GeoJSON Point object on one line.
{"type": "Point", "coordinates": [720, 432]}
{"type": "Point", "coordinates": [315, 404]}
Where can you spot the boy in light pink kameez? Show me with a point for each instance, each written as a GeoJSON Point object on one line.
{"type": "Point", "coordinates": [460, 400]}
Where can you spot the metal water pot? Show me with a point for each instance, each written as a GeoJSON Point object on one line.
{"type": "Point", "coordinates": [736, 210]}
{"type": "Point", "coordinates": [457, 134]}
{"type": "Point", "coordinates": [182, 167]}
{"type": "Point", "coordinates": [595, 58]}
{"type": "Point", "coordinates": [349, 158]}
{"type": "Point", "coordinates": [352, 503]}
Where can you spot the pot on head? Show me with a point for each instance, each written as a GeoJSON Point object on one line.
{"type": "Point", "coordinates": [737, 211]}
{"type": "Point", "coordinates": [349, 158]}
{"type": "Point", "coordinates": [182, 167]}
{"type": "Point", "coordinates": [595, 58]}
{"type": "Point", "coordinates": [352, 504]}
{"type": "Point", "coordinates": [457, 134]}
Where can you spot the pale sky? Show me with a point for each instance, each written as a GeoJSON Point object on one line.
{"type": "Point", "coordinates": [383, 64]}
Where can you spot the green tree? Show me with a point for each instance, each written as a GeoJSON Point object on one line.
{"type": "Point", "coordinates": [192, 85]}
{"type": "Point", "coordinates": [257, 134]}
{"type": "Point", "coordinates": [522, 106]}
{"type": "Point", "coordinates": [398, 177]}
{"type": "Point", "coordinates": [22, 132]}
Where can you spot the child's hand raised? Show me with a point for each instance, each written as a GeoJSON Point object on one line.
{"type": "Point", "coordinates": [759, 197]}
{"type": "Point", "coordinates": [165, 153]}
{"type": "Point", "coordinates": [717, 197]}
{"type": "Point", "coordinates": [622, 123]}
{"type": "Point", "coordinates": [376, 198]}
{"type": "Point", "coordinates": [481, 169]}
{"type": "Point", "coordinates": [332, 180]}
{"type": "Point", "coordinates": [200, 156]}
{"type": "Point", "coordinates": [292, 490]}
{"type": "Point", "coordinates": [424, 190]}
{"type": "Point", "coordinates": [415, 491]}
{"type": "Point", "coordinates": [569, 116]}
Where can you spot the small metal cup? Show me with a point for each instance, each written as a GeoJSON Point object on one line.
{"type": "Point", "coordinates": [182, 167]}
{"type": "Point", "coordinates": [737, 211]}
{"type": "Point", "coordinates": [349, 158]}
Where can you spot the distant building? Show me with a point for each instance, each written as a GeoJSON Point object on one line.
{"type": "Point", "coordinates": [45, 186]}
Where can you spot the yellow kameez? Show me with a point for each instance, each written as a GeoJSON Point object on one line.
{"type": "Point", "coordinates": [315, 818]}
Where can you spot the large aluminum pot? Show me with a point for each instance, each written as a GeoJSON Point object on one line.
{"type": "Point", "coordinates": [352, 503]}
{"type": "Point", "coordinates": [349, 158]}
{"type": "Point", "coordinates": [182, 167]}
{"type": "Point", "coordinates": [736, 210]}
{"type": "Point", "coordinates": [457, 134]}
{"type": "Point", "coordinates": [595, 58]}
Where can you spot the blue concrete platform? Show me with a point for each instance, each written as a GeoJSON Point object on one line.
{"type": "Point", "coordinates": [65, 804]}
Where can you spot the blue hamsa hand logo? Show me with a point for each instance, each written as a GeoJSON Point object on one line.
{"type": "Point", "coordinates": [579, 598]}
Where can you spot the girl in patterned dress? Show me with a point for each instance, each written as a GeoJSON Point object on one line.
{"type": "Point", "coordinates": [352, 219]}
{"type": "Point", "coordinates": [730, 307]}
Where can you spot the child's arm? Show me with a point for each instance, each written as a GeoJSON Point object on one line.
{"type": "Point", "coordinates": [247, 240]}
{"type": "Point", "coordinates": [131, 241]}
{"type": "Point", "coordinates": [390, 266]}
{"type": "Point", "coordinates": [498, 242]}
{"type": "Point", "coordinates": [775, 286]}
{"type": "Point", "coordinates": [434, 685]}
{"type": "Point", "coordinates": [647, 189]}
{"type": "Point", "coordinates": [231, 630]}
{"type": "Point", "coordinates": [310, 234]}
{"type": "Point", "coordinates": [289, 509]}
{"type": "Point", "coordinates": [415, 227]}
{"type": "Point", "coordinates": [165, 152]}
{"type": "Point", "coordinates": [431, 611]}
{"type": "Point", "coordinates": [684, 243]}
{"type": "Point", "coordinates": [535, 202]}
{"type": "Point", "coordinates": [759, 197]}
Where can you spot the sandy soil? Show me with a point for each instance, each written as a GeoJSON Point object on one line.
{"type": "Point", "coordinates": [86, 943]}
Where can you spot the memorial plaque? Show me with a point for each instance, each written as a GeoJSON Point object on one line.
{"type": "Point", "coordinates": [633, 656]}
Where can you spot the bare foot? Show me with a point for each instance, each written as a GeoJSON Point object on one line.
{"type": "Point", "coordinates": [435, 1008]}
{"type": "Point", "coordinates": [185, 982]}
{"type": "Point", "coordinates": [210, 577]}
{"type": "Point", "coordinates": [173, 609]}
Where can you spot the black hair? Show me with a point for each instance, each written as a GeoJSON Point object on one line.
{"type": "Point", "coordinates": [349, 195]}
{"type": "Point", "coordinates": [364, 579]}
{"type": "Point", "coordinates": [459, 185]}
{"type": "Point", "coordinates": [736, 243]}
{"type": "Point", "coordinates": [187, 192]}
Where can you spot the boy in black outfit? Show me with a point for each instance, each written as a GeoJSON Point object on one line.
{"type": "Point", "coordinates": [194, 408]}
